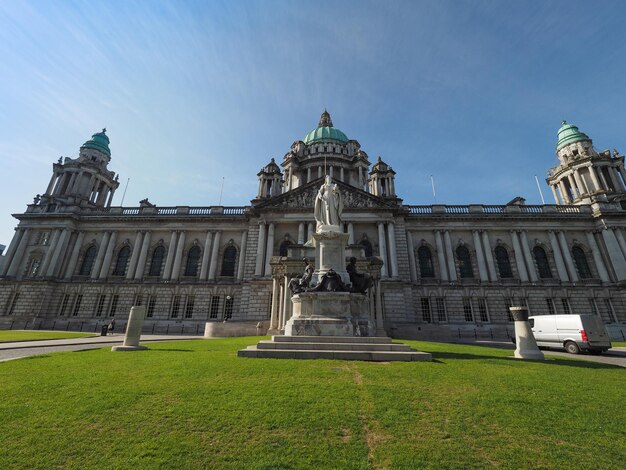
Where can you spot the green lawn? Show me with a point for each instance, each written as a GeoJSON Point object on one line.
{"type": "Point", "coordinates": [194, 404]}
{"type": "Point", "coordinates": [621, 344]}
{"type": "Point", "coordinates": [29, 335]}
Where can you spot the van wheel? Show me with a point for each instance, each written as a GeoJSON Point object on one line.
{"type": "Point", "coordinates": [572, 347]}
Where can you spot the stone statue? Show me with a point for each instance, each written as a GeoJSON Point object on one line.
{"type": "Point", "coordinates": [330, 282]}
{"type": "Point", "coordinates": [37, 199]}
{"type": "Point", "coordinates": [360, 281]}
{"type": "Point", "coordinates": [328, 207]}
{"type": "Point", "coordinates": [300, 284]}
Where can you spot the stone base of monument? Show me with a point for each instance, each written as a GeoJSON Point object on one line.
{"type": "Point", "coordinates": [525, 343]}
{"type": "Point", "coordinates": [350, 348]}
{"type": "Point", "coordinates": [330, 253]}
{"type": "Point", "coordinates": [133, 331]}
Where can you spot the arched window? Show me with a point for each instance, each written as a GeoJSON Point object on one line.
{"type": "Point", "coordinates": [88, 260]}
{"type": "Point", "coordinates": [465, 261]}
{"type": "Point", "coordinates": [122, 261]}
{"type": "Point", "coordinates": [284, 246]}
{"type": "Point", "coordinates": [193, 258]}
{"type": "Point", "coordinates": [504, 263]}
{"type": "Point", "coordinates": [580, 259]}
{"type": "Point", "coordinates": [425, 261]}
{"type": "Point", "coordinates": [367, 247]}
{"type": "Point", "coordinates": [228, 262]}
{"type": "Point", "coordinates": [541, 259]}
{"type": "Point", "coordinates": [157, 261]}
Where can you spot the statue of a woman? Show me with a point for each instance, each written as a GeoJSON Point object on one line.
{"type": "Point", "coordinates": [328, 207]}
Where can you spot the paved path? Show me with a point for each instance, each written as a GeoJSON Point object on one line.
{"type": "Point", "coordinates": [21, 349]}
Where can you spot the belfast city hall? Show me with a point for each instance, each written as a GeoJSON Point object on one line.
{"type": "Point", "coordinates": [439, 271]}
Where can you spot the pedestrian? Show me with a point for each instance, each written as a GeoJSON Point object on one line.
{"type": "Point", "coordinates": [111, 326]}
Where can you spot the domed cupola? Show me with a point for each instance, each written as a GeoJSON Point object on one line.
{"type": "Point", "coordinates": [99, 141]}
{"type": "Point", "coordinates": [325, 132]}
{"type": "Point", "coordinates": [270, 180]}
{"type": "Point", "coordinates": [568, 134]}
{"type": "Point", "coordinates": [382, 180]}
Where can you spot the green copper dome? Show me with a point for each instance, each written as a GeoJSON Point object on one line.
{"type": "Point", "coordinates": [99, 141]}
{"type": "Point", "coordinates": [569, 133]}
{"type": "Point", "coordinates": [325, 131]}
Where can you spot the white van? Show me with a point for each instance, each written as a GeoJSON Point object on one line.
{"type": "Point", "coordinates": [574, 333]}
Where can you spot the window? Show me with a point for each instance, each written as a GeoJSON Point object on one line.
{"type": "Point", "coordinates": [13, 303]}
{"type": "Point", "coordinates": [175, 306]}
{"type": "Point", "coordinates": [138, 300]}
{"type": "Point", "coordinates": [228, 262]}
{"type": "Point", "coordinates": [467, 309]}
{"type": "Point", "coordinates": [541, 259]}
{"type": "Point", "coordinates": [440, 308]}
{"type": "Point", "coordinates": [284, 246]}
{"type": "Point", "coordinates": [151, 306]}
{"type": "Point", "coordinates": [566, 309]}
{"type": "Point", "coordinates": [114, 302]}
{"type": "Point", "coordinates": [44, 238]}
{"type": "Point", "coordinates": [122, 261]}
{"type": "Point", "coordinates": [77, 302]}
{"type": "Point", "coordinates": [610, 311]}
{"type": "Point", "coordinates": [482, 310]}
{"type": "Point", "coordinates": [503, 261]}
{"type": "Point", "coordinates": [426, 315]}
{"type": "Point", "coordinates": [465, 262]}
{"type": "Point", "coordinates": [100, 304]}
{"type": "Point", "coordinates": [580, 260]}
{"type": "Point", "coordinates": [367, 247]}
{"type": "Point", "coordinates": [64, 302]}
{"type": "Point", "coordinates": [157, 261]}
{"type": "Point", "coordinates": [88, 260]}
{"type": "Point", "coordinates": [551, 307]}
{"type": "Point", "coordinates": [215, 306]}
{"type": "Point", "coordinates": [425, 261]}
{"type": "Point", "coordinates": [189, 307]}
{"type": "Point", "coordinates": [34, 267]}
{"type": "Point", "coordinates": [193, 258]}
{"type": "Point", "coordinates": [228, 308]}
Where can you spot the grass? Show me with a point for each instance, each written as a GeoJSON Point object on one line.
{"type": "Point", "coordinates": [28, 335]}
{"type": "Point", "coordinates": [194, 404]}
{"type": "Point", "coordinates": [620, 344]}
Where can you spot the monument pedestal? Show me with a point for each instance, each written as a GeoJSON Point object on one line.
{"type": "Point", "coordinates": [525, 344]}
{"type": "Point", "coordinates": [330, 253]}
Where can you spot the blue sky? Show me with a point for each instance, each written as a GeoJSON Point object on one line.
{"type": "Point", "coordinates": [471, 92]}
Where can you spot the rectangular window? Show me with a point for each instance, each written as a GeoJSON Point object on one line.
{"type": "Point", "coordinates": [508, 303]}
{"type": "Point", "coordinates": [77, 302]}
{"type": "Point", "coordinates": [100, 304]}
{"type": "Point", "coordinates": [550, 305]}
{"type": "Point", "coordinates": [467, 309]}
{"type": "Point", "coordinates": [482, 310]}
{"type": "Point", "coordinates": [566, 308]}
{"type": "Point", "coordinates": [151, 305]}
{"type": "Point", "coordinates": [13, 303]}
{"type": "Point", "coordinates": [114, 302]}
{"type": "Point", "coordinates": [175, 306]}
{"type": "Point", "coordinates": [189, 307]}
{"type": "Point", "coordinates": [215, 306]}
{"type": "Point", "coordinates": [610, 311]}
{"type": "Point", "coordinates": [228, 308]}
{"type": "Point", "coordinates": [64, 302]}
{"type": "Point", "coordinates": [426, 316]}
{"type": "Point", "coordinates": [440, 307]}
{"type": "Point", "coordinates": [138, 300]}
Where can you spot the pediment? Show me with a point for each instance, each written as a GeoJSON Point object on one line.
{"type": "Point", "coordinates": [304, 198]}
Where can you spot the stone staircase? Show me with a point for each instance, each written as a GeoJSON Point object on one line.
{"type": "Point", "coordinates": [350, 348]}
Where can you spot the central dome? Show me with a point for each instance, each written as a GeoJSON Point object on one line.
{"type": "Point", "coordinates": [99, 141]}
{"type": "Point", "coordinates": [569, 133]}
{"type": "Point", "coordinates": [325, 131]}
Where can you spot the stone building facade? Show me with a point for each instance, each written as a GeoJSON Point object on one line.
{"type": "Point", "coordinates": [76, 261]}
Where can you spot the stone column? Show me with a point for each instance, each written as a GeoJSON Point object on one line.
{"type": "Point", "coordinates": [597, 257]}
{"type": "Point", "coordinates": [525, 344]}
{"type": "Point", "coordinates": [564, 194]}
{"type": "Point", "coordinates": [59, 186]}
{"type": "Point", "coordinates": [411, 248]}
{"type": "Point", "coordinates": [134, 257]}
{"type": "Point", "coordinates": [301, 233]}
{"type": "Point", "coordinates": [449, 256]}
{"type": "Point", "coordinates": [393, 254]}
{"type": "Point", "coordinates": [214, 256]}
{"type": "Point", "coordinates": [310, 228]}
{"type": "Point", "coordinates": [530, 264]}
{"type": "Point", "coordinates": [204, 267]}
{"type": "Point", "coordinates": [95, 271]}
{"type": "Point", "coordinates": [71, 266]}
{"type": "Point", "coordinates": [480, 257]}
{"type": "Point", "coordinates": [53, 180]}
{"type": "Point", "coordinates": [569, 262]}
{"type": "Point", "coordinates": [330, 171]}
{"type": "Point", "coordinates": [6, 260]}
{"type": "Point", "coordinates": [59, 250]}
{"type": "Point", "coordinates": [308, 175]}
{"type": "Point", "coordinates": [556, 196]}
{"type": "Point", "coordinates": [594, 178]}
{"type": "Point", "coordinates": [260, 250]}
{"type": "Point", "coordinates": [378, 312]}
{"type": "Point", "coordinates": [613, 175]}
{"type": "Point", "coordinates": [286, 302]}
{"type": "Point", "coordinates": [341, 174]}
{"type": "Point", "coordinates": [111, 194]}
{"type": "Point", "coordinates": [178, 260]}
{"type": "Point", "coordinates": [558, 257]}
{"type": "Point", "coordinates": [620, 240]}
{"type": "Point", "coordinates": [106, 264]}
{"type": "Point", "coordinates": [13, 267]}
{"type": "Point", "coordinates": [519, 257]}
{"type": "Point", "coordinates": [242, 255]}
{"type": "Point", "coordinates": [171, 252]}
{"type": "Point", "coordinates": [489, 255]}
{"type": "Point", "coordinates": [269, 251]}
{"type": "Point", "coordinates": [43, 269]}
{"type": "Point", "coordinates": [350, 233]}
{"type": "Point", "coordinates": [573, 185]}
{"type": "Point", "coordinates": [275, 304]}
{"type": "Point", "coordinates": [319, 171]}
{"type": "Point", "coordinates": [615, 254]}
{"type": "Point", "coordinates": [143, 256]}
{"type": "Point", "coordinates": [382, 248]}
{"type": "Point", "coordinates": [579, 183]}
{"type": "Point", "coordinates": [441, 257]}
{"type": "Point", "coordinates": [605, 183]}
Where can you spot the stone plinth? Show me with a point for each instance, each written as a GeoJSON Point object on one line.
{"type": "Point", "coordinates": [133, 331]}
{"type": "Point", "coordinates": [330, 314]}
{"type": "Point", "coordinates": [526, 346]}
{"type": "Point", "coordinates": [330, 253]}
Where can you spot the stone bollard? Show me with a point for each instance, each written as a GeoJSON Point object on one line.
{"type": "Point", "coordinates": [526, 346]}
{"type": "Point", "coordinates": [133, 331]}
